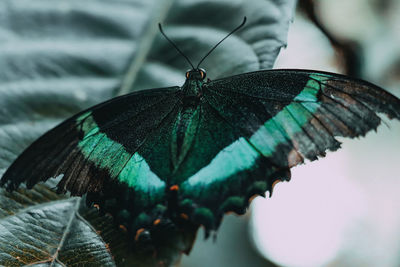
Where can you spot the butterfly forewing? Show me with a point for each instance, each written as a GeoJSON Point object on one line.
{"type": "Point", "coordinates": [97, 144]}
{"type": "Point", "coordinates": [301, 110]}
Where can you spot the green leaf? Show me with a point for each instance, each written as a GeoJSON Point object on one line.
{"type": "Point", "coordinates": [57, 58]}
{"type": "Point", "coordinates": [39, 226]}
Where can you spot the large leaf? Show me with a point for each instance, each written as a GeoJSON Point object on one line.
{"type": "Point", "coordinates": [57, 58]}
{"type": "Point", "coordinates": [39, 226]}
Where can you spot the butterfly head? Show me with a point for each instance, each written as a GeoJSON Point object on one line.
{"type": "Point", "coordinates": [196, 74]}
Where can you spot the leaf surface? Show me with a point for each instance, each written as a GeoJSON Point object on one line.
{"type": "Point", "coordinates": [38, 226]}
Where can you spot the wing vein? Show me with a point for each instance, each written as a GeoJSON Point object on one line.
{"type": "Point", "coordinates": [277, 125]}
{"type": "Point", "coordinates": [110, 125]}
{"type": "Point", "coordinates": [233, 128]}
{"type": "Point", "coordinates": [228, 93]}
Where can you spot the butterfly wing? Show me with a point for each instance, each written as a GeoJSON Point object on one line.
{"type": "Point", "coordinates": [274, 120]}
{"type": "Point", "coordinates": [102, 146]}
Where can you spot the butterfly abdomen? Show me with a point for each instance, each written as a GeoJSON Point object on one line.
{"type": "Point", "coordinates": [184, 132]}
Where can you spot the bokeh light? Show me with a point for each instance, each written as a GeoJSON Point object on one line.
{"type": "Point", "coordinates": [303, 224]}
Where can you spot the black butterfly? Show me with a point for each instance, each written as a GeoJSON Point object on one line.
{"type": "Point", "coordinates": [195, 152]}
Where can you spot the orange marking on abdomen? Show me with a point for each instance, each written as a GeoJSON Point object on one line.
{"type": "Point", "coordinates": [174, 188]}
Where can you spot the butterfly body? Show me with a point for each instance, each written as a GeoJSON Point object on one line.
{"type": "Point", "coordinates": [182, 156]}
{"type": "Point", "coordinates": [188, 116]}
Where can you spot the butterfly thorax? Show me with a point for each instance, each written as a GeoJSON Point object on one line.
{"type": "Point", "coordinates": [194, 83]}
{"type": "Point", "coordinates": [192, 89]}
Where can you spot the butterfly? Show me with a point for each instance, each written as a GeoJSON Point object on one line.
{"type": "Point", "coordinates": [194, 152]}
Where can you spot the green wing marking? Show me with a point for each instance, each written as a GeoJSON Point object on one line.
{"type": "Point", "coordinates": [289, 121]}
{"type": "Point", "coordinates": [108, 154]}
{"type": "Point", "coordinates": [239, 156]}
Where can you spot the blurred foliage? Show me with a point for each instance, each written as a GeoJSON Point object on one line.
{"type": "Point", "coordinates": [371, 27]}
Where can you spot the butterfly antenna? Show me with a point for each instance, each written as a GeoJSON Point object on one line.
{"type": "Point", "coordinates": [174, 45]}
{"type": "Point", "coordinates": [215, 46]}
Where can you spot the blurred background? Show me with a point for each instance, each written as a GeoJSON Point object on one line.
{"type": "Point", "coordinates": [343, 210]}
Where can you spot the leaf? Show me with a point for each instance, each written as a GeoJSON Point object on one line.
{"type": "Point", "coordinates": [57, 58]}
{"type": "Point", "coordinates": [198, 25]}
{"type": "Point", "coordinates": [39, 226]}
